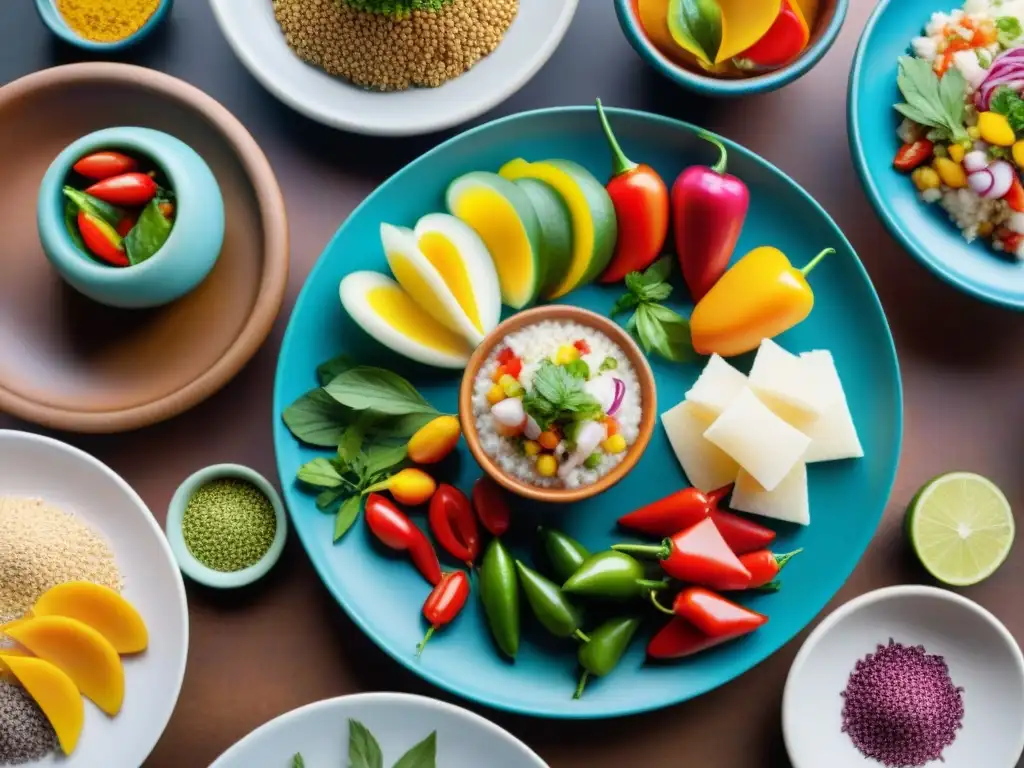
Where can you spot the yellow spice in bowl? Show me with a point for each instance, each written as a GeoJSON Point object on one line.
{"type": "Point", "coordinates": [106, 21]}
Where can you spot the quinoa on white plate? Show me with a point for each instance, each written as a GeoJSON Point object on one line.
{"type": "Point", "coordinates": [557, 404]}
{"type": "Point", "coordinates": [963, 112]}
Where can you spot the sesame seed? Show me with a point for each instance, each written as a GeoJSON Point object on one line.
{"type": "Point", "coordinates": [25, 734]}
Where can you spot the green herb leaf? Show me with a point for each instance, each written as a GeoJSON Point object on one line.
{"type": "Point", "coordinates": [423, 755]}
{"type": "Point", "coordinates": [667, 332]}
{"type": "Point", "coordinates": [319, 473]}
{"type": "Point", "coordinates": [363, 749]}
{"type": "Point", "coordinates": [381, 458]}
{"type": "Point", "coordinates": [699, 23]}
{"type": "Point", "coordinates": [327, 499]}
{"type": "Point", "coordinates": [558, 395]}
{"type": "Point", "coordinates": [938, 104]}
{"type": "Point", "coordinates": [624, 303]}
{"type": "Point", "coordinates": [71, 223]}
{"type": "Point", "coordinates": [579, 369]}
{"type": "Point", "coordinates": [659, 271]}
{"type": "Point", "coordinates": [326, 372]}
{"type": "Point", "coordinates": [94, 206]}
{"type": "Point", "coordinates": [316, 418]}
{"type": "Point", "coordinates": [401, 427]}
{"type": "Point", "coordinates": [298, 762]}
{"type": "Point", "coordinates": [347, 515]}
{"type": "Point", "coordinates": [608, 364]}
{"type": "Point", "coordinates": [148, 235]}
{"type": "Point", "coordinates": [375, 389]}
{"type": "Point", "coordinates": [1008, 30]}
{"type": "Point", "coordinates": [1008, 102]}
{"type": "Point", "coordinates": [351, 443]}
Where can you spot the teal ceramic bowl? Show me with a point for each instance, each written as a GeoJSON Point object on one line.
{"type": "Point", "coordinates": [55, 21]}
{"type": "Point", "coordinates": [191, 249]}
{"type": "Point", "coordinates": [924, 230]}
{"type": "Point", "coordinates": [830, 19]}
{"type": "Point", "coordinates": [384, 594]}
{"type": "Point", "coordinates": [188, 563]}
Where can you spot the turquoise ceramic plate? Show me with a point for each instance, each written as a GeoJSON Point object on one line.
{"type": "Point", "coordinates": [924, 230]}
{"type": "Point", "coordinates": [384, 595]}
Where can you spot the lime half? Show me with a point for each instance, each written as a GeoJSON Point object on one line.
{"type": "Point", "coordinates": [961, 527]}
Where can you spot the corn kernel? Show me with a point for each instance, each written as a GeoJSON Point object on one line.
{"type": "Point", "coordinates": [547, 465]}
{"type": "Point", "coordinates": [495, 394]}
{"type": "Point", "coordinates": [614, 444]}
{"type": "Point", "coordinates": [985, 228]}
{"type": "Point", "coordinates": [926, 177]}
{"type": "Point", "coordinates": [956, 152]}
{"type": "Point", "coordinates": [531, 447]}
{"type": "Point", "coordinates": [566, 354]}
{"type": "Point", "coordinates": [549, 440]}
{"type": "Point", "coordinates": [973, 132]}
{"type": "Point", "coordinates": [995, 129]}
{"type": "Point", "coordinates": [1018, 153]}
{"type": "Point", "coordinates": [952, 174]}
{"type": "Point", "coordinates": [510, 386]}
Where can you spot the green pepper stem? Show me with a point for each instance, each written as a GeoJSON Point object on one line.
{"type": "Point", "coordinates": [771, 586]}
{"type": "Point", "coordinates": [657, 604]}
{"type": "Point", "coordinates": [781, 560]}
{"type": "Point", "coordinates": [425, 640]}
{"type": "Point", "coordinates": [657, 551]}
{"type": "Point", "coordinates": [723, 153]}
{"type": "Point", "coordinates": [620, 163]}
{"type": "Point", "coordinates": [582, 684]}
{"type": "Point", "coordinates": [652, 585]}
{"type": "Point", "coordinates": [383, 485]}
{"type": "Point", "coordinates": [582, 636]}
{"type": "Point", "coordinates": [814, 262]}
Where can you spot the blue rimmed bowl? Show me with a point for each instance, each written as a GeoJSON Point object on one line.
{"type": "Point", "coordinates": [191, 250]}
{"type": "Point", "coordinates": [53, 19]}
{"type": "Point", "coordinates": [830, 17]}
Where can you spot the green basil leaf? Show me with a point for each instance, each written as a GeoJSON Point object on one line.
{"type": "Point", "coordinates": [348, 513]}
{"type": "Point", "coordinates": [71, 223]}
{"type": "Point", "coordinates": [704, 20]}
{"type": "Point", "coordinates": [380, 458]}
{"type": "Point", "coordinates": [298, 762]}
{"type": "Point", "coordinates": [319, 473]}
{"type": "Point", "coordinates": [94, 206]}
{"type": "Point", "coordinates": [656, 292]}
{"type": "Point", "coordinates": [351, 443]}
{"type": "Point", "coordinates": [328, 498]}
{"type": "Point", "coordinates": [423, 755]}
{"type": "Point", "coordinates": [648, 331]}
{"type": "Point", "coordinates": [674, 341]}
{"type": "Point", "coordinates": [334, 367]}
{"type": "Point", "coordinates": [318, 419]}
{"type": "Point", "coordinates": [953, 93]}
{"type": "Point", "coordinates": [400, 427]}
{"type": "Point", "coordinates": [363, 749]}
{"type": "Point", "coordinates": [659, 271]}
{"type": "Point", "coordinates": [148, 235]}
{"type": "Point", "coordinates": [919, 117]}
{"type": "Point", "coordinates": [624, 303]}
{"type": "Point", "coordinates": [374, 389]}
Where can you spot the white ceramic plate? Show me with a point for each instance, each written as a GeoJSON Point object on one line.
{"type": "Point", "coordinates": [256, 38]}
{"type": "Point", "coordinates": [398, 721]}
{"type": "Point", "coordinates": [982, 657]}
{"type": "Point", "coordinates": [35, 466]}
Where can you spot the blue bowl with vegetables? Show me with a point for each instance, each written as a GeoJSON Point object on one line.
{"type": "Point", "coordinates": [131, 217]}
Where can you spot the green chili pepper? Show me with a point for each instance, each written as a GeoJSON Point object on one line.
{"type": "Point", "coordinates": [499, 591]}
{"type": "Point", "coordinates": [610, 575]}
{"type": "Point", "coordinates": [71, 223]}
{"type": "Point", "coordinates": [604, 651]}
{"type": "Point", "coordinates": [94, 206]}
{"type": "Point", "coordinates": [553, 609]}
{"type": "Point", "coordinates": [564, 554]}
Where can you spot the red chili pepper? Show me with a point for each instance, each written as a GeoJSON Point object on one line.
{"type": "Point", "coordinates": [764, 566]}
{"type": "Point", "coordinates": [103, 165]}
{"type": "Point", "coordinates": [641, 205]}
{"type": "Point", "coordinates": [491, 504]}
{"type": "Point", "coordinates": [102, 240]}
{"type": "Point", "coordinates": [1015, 197]}
{"type": "Point", "coordinates": [395, 530]}
{"type": "Point", "coordinates": [127, 189]}
{"type": "Point", "coordinates": [783, 42]}
{"type": "Point", "coordinates": [674, 513]}
{"type": "Point", "coordinates": [453, 523]}
{"type": "Point", "coordinates": [126, 225]}
{"type": "Point", "coordinates": [912, 155]}
{"type": "Point", "coordinates": [582, 346]}
{"type": "Point", "coordinates": [713, 615]}
{"type": "Point", "coordinates": [697, 555]}
{"type": "Point", "coordinates": [709, 207]}
{"type": "Point", "coordinates": [679, 639]}
{"type": "Point", "coordinates": [444, 603]}
{"type": "Point", "coordinates": [742, 535]}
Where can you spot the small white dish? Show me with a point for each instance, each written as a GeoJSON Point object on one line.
{"type": "Point", "coordinates": [319, 732]}
{"type": "Point", "coordinates": [39, 467]}
{"type": "Point", "coordinates": [256, 38]}
{"type": "Point", "coordinates": [982, 656]}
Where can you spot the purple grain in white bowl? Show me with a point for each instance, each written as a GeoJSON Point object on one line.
{"type": "Point", "coordinates": [952, 663]}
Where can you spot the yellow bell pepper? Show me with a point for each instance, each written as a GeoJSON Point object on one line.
{"type": "Point", "coordinates": [761, 296]}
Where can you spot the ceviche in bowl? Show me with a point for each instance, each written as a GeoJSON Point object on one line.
{"type": "Point", "coordinates": [557, 404]}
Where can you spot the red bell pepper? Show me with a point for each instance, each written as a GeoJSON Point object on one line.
{"type": "Point", "coordinates": [709, 207]}
{"type": "Point", "coordinates": [132, 189]}
{"type": "Point", "coordinates": [742, 535]}
{"type": "Point", "coordinates": [453, 523]}
{"type": "Point", "coordinates": [911, 155]}
{"type": "Point", "coordinates": [697, 555]}
{"type": "Point", "coordinates": [444, 603]}
{"type": "Point", "coordinates": [1015, 197]}
{"type": "Point", "coordinates": [713, 615]}
{"type": "Point", "coordinates": [782, 43]}
{"type": "Point", "coordinates": [394, 529]}
{"type": "Point", "coordinates": [102, 240]}
{"type": "Point", "coordinates": [103, 165]}
{"type": "Point", "coordinates": [679, 639]}
{"type": "Point", "coordinates": [640, 198]}
{"type": "Point", "coordinates": [764, 566]}
{"type": "Point", "coordinates": [675, 512]}
{"type": "Point", "coordinates": [491, 504]}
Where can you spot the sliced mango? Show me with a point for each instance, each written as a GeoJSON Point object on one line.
{"type": "Point", "coordinates": [54, 692]}
{"type": "Point", "coordinates": [594, 226]}
{"type": "Point", "coordinates": [556, 231]}
{"type": "Point", "coordinates": [744, 22]}
{"type": "Point", "coordinates": [5, 671]}
{"type": "Point", "coordinates": [99, 607]}
{"type": "Point", "coordinates": [79, 651]}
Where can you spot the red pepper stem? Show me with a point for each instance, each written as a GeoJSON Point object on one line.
{"type": "Point", "coordinates": [582, 636]}
{"type": "Point", "coordinates": [657, 551]}
{"type": "Point", "coordinates": [620, 163]}
{"type": "Point", "coordinates": [582, 684]}
{"type": "Point", "coordinates": [425, 640]}
{"type": "Point", "coordinates": [723, 154]}
{"type": "Point", "coordinates": [781, 560]}
{"type": "Point", "coordinates": [657, 604]}
{"type": "Point", "coordinates": [815, 261]}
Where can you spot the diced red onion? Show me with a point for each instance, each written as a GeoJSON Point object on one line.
{"type": "Point", "coordinates": [981, 181]}
{"type": "Point", "coordinates": [1003, 175]}
{"type": "Point", "coordinates": [620, 393]}
{"type": "Point", "coordinates": [602, 389]}
{"type": "Point", "coordinates": [1007, 69]}
{"type": "Point", "coordinates": [975, 160]}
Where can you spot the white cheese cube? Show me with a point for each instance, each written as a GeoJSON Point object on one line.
{"type": "Point", "coordinates": [760, 442]}
{"type": "Point", "coordinates": [833, 434]}
{"type": "Point", "coordinates": [788, 502]}
{"type": "Point", "coordinates": [788, 385]}
{"type": "Point", "coordinates": [707, 467]}
{"type": "Point", "coordinates": [716, 387]}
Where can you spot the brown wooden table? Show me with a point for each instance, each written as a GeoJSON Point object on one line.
{"type": "Point", "coordinates": [258, 655]}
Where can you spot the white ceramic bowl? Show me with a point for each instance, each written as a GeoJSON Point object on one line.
{"type": "Point", "coordinates": [397, 721]}
{"type": "Point", "coordinates": [982, 656]}
{"type": "Point", "coordinates": [256, 38]}
{"type": "Point", "coordinates": [34, 466]}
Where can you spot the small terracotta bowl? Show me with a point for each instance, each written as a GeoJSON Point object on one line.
{"type": "Point", "coordinates": [648, 402]}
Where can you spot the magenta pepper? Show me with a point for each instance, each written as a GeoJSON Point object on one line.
{"type": "Point", "coordinates": [709, 207]}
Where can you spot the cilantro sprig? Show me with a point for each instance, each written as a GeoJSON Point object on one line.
{"type": "Point", "coordinates": [1008, 102]}
{"type": "Point", "coordinates": [559, 395]}
{"type": "Point", "coordinates": [657, 328]}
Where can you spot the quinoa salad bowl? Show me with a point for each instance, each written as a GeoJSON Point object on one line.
{"type": "Point", "coordinates": [936, 126]}
{"type": "Point", "coordinates": [534, 450]}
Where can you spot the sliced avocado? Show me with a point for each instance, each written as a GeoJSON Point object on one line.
{"type": "Point", "coordinates": [556, 226]}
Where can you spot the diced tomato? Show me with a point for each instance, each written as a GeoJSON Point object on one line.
{"type": "Point", "coordinates": [582, 346]}
{"type": "Point", "coordinates": [498, 373]}
{"type": "Point", "coordinates": [513, 367]}
{"type": "Point", "coordinates": [913, 155]}
{"type": "Point", "coordinates": [505, 355]}
{"type": "Point", "coordinates": [1015, 197]}
{"type": "Point", "coordinates": [1011, 240]}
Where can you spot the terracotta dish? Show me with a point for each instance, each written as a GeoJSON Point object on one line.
{"type": "Point", "coordinates": [648, 400]}
{"type": "Point", "coordinates": [69, 363]}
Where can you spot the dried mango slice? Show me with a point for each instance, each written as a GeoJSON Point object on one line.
{"type": "Point", "coordinates": [744, 22]}
{"type": "Point", "coordinates": [78, 650]}
{"type": "Point", "coordinates": [54, 692]}
{"type": "Point", "coordinates": [99, 607]}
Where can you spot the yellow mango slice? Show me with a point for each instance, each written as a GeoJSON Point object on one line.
{"type": "Point", "coordinates": [5, 671]}
{"type": "Point", "coordinates": [744, 22]}
{"type": "Point", "coordinates": [99, 607]}
{"type": "Point", "coordinates": [54, 692]}
{"type": "Point", "coordinates": [78, 650]}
